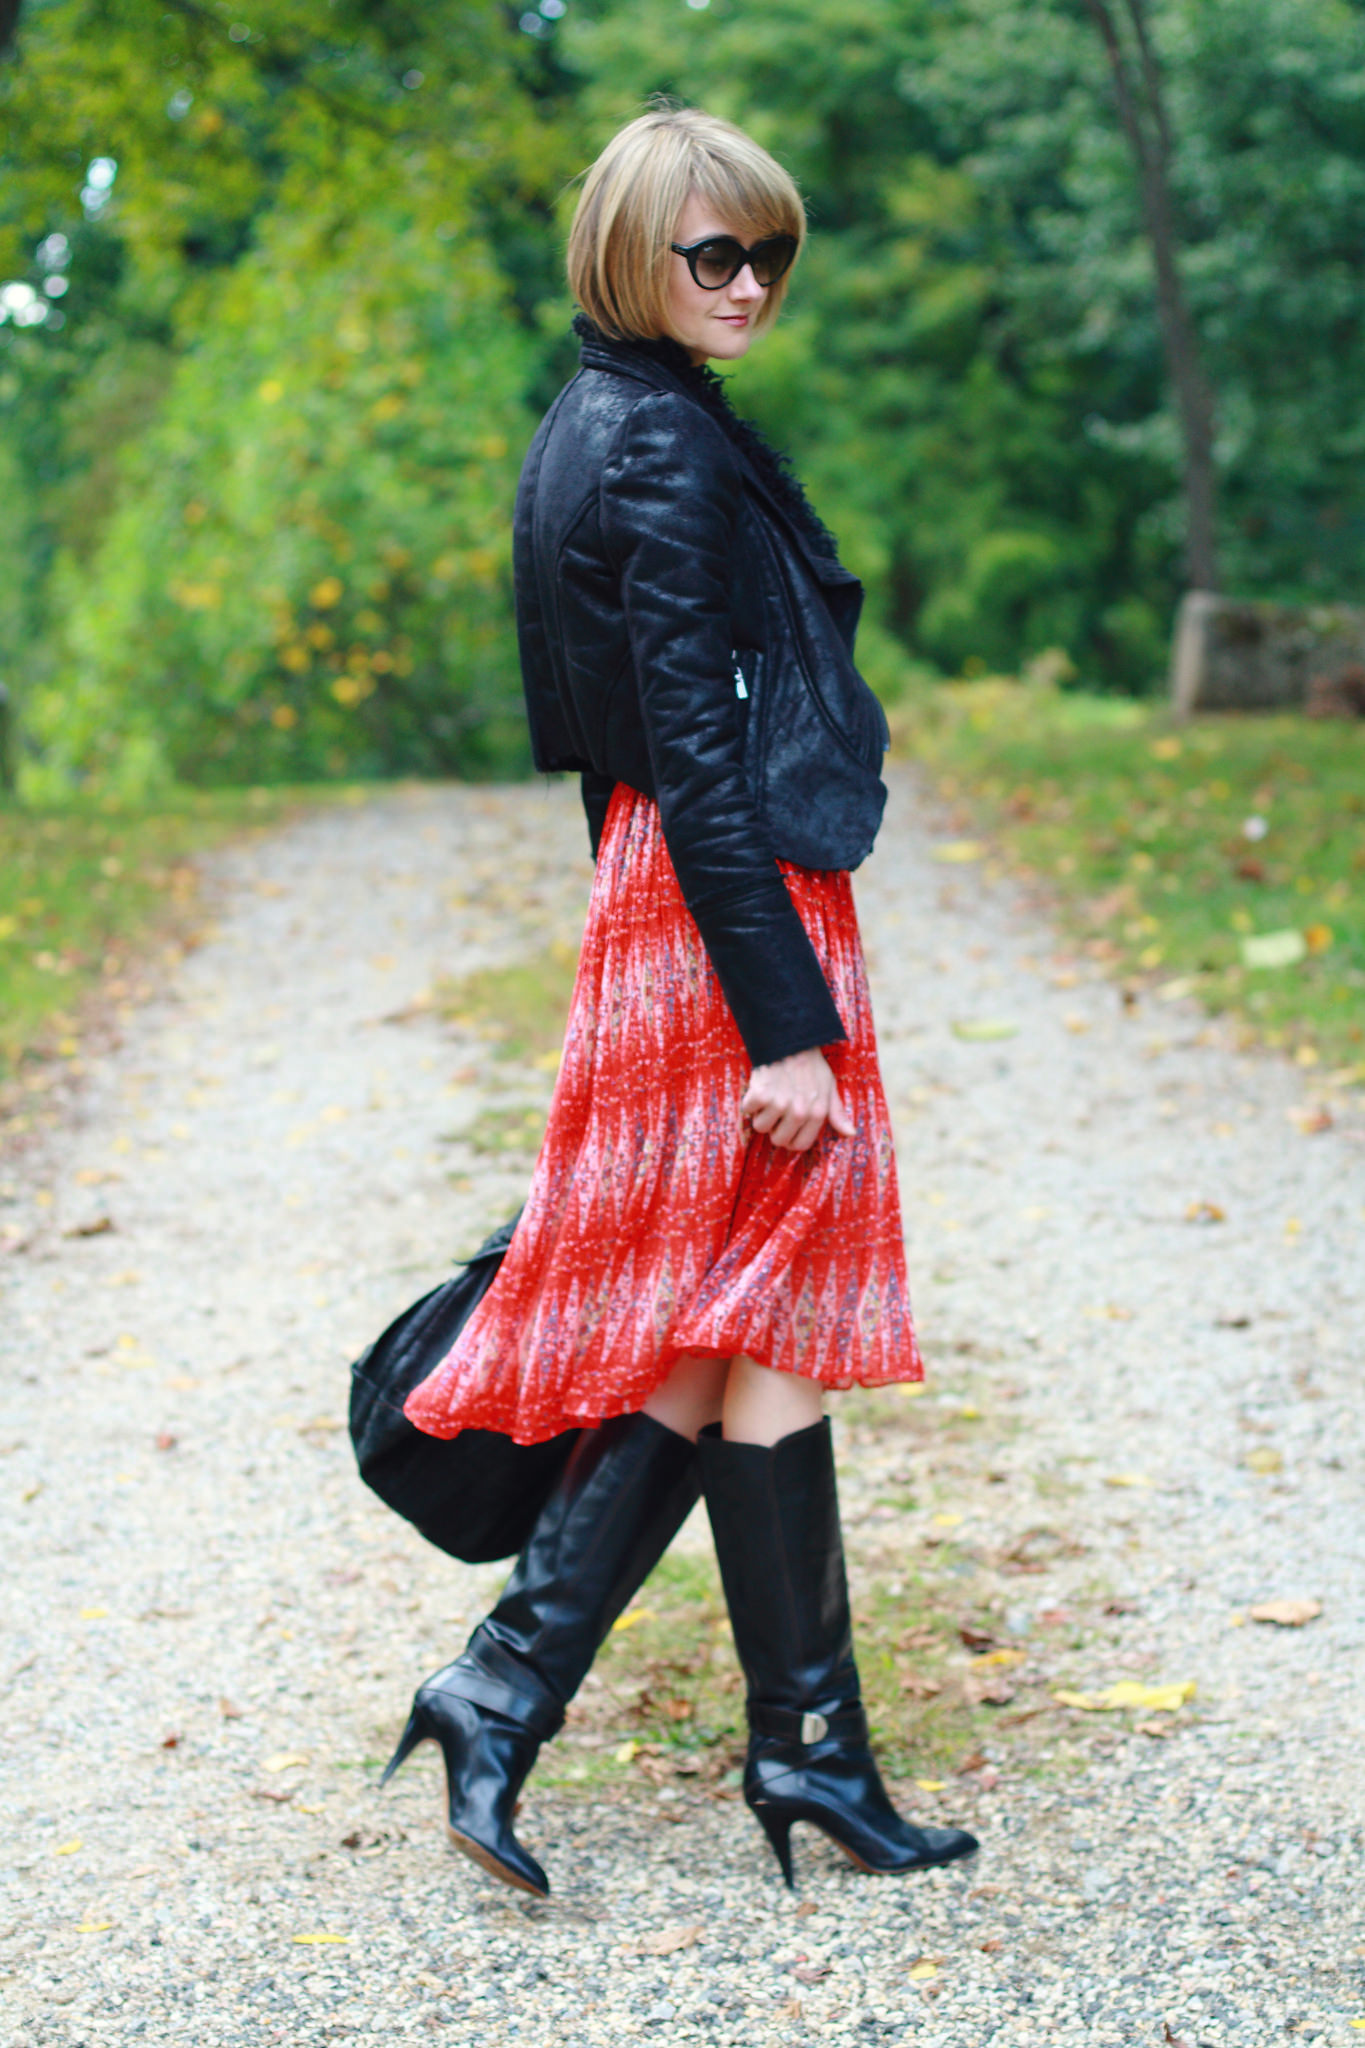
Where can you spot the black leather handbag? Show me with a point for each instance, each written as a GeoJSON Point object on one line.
{"type": "Point", "coordinates": [475, 1495]}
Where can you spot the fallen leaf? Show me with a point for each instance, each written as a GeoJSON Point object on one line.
{"type": "Point", "coordinates": [626, 1753]}
{"type": "Point", "coordinates": [932, 1784]}
{"type": "Point", "coordinates": [94, 1614]}
{"type": "Point", "coordinates": [920, 1973]}
{"type": "Point", "coordinates": [987, 1692]}
{"type": "Point", "coordinates": [974, 1638]}
{"type": "Point", "coordinates": [1155, 1728]}
{"type": "Point", "coordinates": [275, 1798]}
{"type": "Point", "coordinates": [166, 1440]}
{"type": "Point", "coordinates": [171, 1741]}
{"type": "Point", "coordinates": [811, 1973]}
{"type": "Point", "coordinates": [920, 1688]}
{"type": "Point", "coordinates": [287, 1760]}
{"type": "Point", "coordinates": [318, 1940]}
{"type": "Point", "coordinates": [974, 1761]}
{"type": "Point", "coordinates": [99, 1226]}
{"type": "Point", "coordinates": [1000, 1658]}
{"type": "Point", "coordinates": [437, 1984]}
{"type": "Point", "coordinates": [947, 1521]}
{"type": "Point", "coordinates": [635, 1615]}
{"type": "Point", "coordinates": [1205, 1212]}
{"type": "Point", "coordinates": [1318, 937]}
{"type": "Point", "coordinates": [1264, 1460]}
{"type": "Point", "coordinates": [1286, 1613]}
{"type": "Point", "coordinates": [228, 1711]}
{"type": "Point", "coordinates": [68, 1848]}
{"type": "Point", "coordinates": [1128, 1479]}
{"type": "Point", "coordinates": [1273, 949]}
{"type": "Point", "coordinates": [1312, 1119]}
{"type": "Point", "coordinates": [806, 1908]}
{"type": "Point", "coordinates": [959, 852]}
{"type": "Point", "coordinates": [983, 1030]}
{"type": "Point", "coordinates": [668, 1941]}
{"type": "Point", "coordinates": [991, 1945]}
{"type": "Point", "coordinates": [1129, 1692]}
{"type": "Point", "coordinates": [94, 1926]}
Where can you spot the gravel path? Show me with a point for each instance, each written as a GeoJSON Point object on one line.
{"type": "Point", "coordinates": [1141, 1408]}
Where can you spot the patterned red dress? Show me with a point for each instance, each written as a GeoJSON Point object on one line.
{"type": "Point", "coordinates": [657, 1223]}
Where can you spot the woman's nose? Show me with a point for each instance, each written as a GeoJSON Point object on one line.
{"type": "Point", "coordinates": [744, 285]}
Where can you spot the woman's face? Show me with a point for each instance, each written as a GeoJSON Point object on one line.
{"type": "Point", "coordinates": [718, 323]}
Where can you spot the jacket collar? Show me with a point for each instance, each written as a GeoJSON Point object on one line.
{"type": "Point", "coordinates": [666, 366]}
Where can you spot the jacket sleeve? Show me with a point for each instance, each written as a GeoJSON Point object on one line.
{"type": "Point", "coordinates": [670, 503]}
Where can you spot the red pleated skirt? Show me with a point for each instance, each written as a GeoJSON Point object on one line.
{"type": "Point", "coordinates": [657, 1223]}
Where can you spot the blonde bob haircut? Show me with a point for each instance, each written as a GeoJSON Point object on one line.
{"type": "Point", "coordinates": [619, 258]}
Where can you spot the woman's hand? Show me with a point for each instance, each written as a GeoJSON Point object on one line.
{"type": "Point", "coordinates": [791, 1101]}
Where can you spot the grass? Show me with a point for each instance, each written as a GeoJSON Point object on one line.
{"type": "Point", "coordinates": [520, 1010]}
{"type": "Point", "coordinates": [85, 889]}
{"type": "Point", "coordinates": [1173, 849]}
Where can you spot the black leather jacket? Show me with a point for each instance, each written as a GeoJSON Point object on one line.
{"type": "Point", "coordinates": [679, 632]}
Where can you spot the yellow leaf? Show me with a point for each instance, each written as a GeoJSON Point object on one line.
{"type": "Point", "coordinates": [911, 1389]}
{"type": "Point", "coordinates": [626, 1753]}
{"type": "Point", "coordinates": [998, 1658]}
{"type": "Point", "coordinates": [920, 1973]}
{"type": "Point", "coordinates": [969, 1415]}
{"type": "Point", "coordinates": [932, 1784]}
{"type": "Point", "coordinates": [94, 1926]}
{"type": "Point", "coordinates": [1128, 1479]}
{"type": "Point", "coordinates": [271, 392]}
{"type": "Point", "coordinates": [626, 1621]}
{"type": "Point", "coordinates": [326, 593]}
{"type": "Point", "coordinates": [947, 1521]}
{"type": "Point", "coordinates": [1264, 1460]}
{"type": "Point", "coordinates": [1205, 1212]}
{"type": "Point", "coordinates": [1318, 937]}
{"type": "Point", "coordinates": [287, 1760]}
{"type": "Point", "coordinates": [958, 852]}
{"type": "Point", "coordinates": [1286, 1613]}
{"type": "Point", "coordinates": [1273, 949]}
{"type": "Point", "coordinates": [94, 1613]}
{"type": "Point", "coordinates": [318, 1940]}
{"type": "Point", "coordinates": [1129, 1692]}
{"type": "Point", "coordinates": [1168, 748]}
{"type": "Point", "coordinates": [983, 1030]}
{"type": "Point", "coordinates": [68, 1848]}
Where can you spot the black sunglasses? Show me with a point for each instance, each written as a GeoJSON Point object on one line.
{"type": "Point", "coordinates": [719, 259]}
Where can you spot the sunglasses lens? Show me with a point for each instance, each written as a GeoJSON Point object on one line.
{"type": "Point", "coordinates": [718, 261]}
{"type": "Point", "coordinates": [772, 259]}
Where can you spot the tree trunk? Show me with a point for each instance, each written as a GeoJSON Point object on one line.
{"type": "Point", "coordinates": [9, 22]}
{"type": "Point", "coordinates": [1142, 115]}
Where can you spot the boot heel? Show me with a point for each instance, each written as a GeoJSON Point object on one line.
{"type": "Point", "coordinates": [777, 1826]}
{"type": "Point", "coordinates": [414, 1733]}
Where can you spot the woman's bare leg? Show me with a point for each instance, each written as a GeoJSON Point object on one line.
{"type": "Point", "coordinates": [763, 1406]}
{"type": "Point", "coordinates": [691, 1396]}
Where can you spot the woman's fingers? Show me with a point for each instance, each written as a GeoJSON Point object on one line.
{"type": "Point", "coordinates": [839, 1118]}
{"type": "Point", "coordinates": [793, 1116]}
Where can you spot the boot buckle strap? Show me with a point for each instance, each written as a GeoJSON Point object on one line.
{"type": "Point", "coordinates": [792, 1724]}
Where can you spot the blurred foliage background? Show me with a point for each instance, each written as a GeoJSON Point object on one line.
{"type": "Point", "coordinates": [281, 301]}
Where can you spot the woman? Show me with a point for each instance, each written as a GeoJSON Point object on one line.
{"type": "Point", "coordinates": [713, 1234]}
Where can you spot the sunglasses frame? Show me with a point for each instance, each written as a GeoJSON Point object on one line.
{"type": "Point", "coordinates": [690, 251]}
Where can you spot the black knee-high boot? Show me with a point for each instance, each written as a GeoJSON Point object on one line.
{"type": "Point", "coordinates": [624, 1495]}
{"type": "Point", "coordinates": [775, 1517]}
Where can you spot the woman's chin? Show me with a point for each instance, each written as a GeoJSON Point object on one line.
{"type": "Point", "coordinates": [730, 344]}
